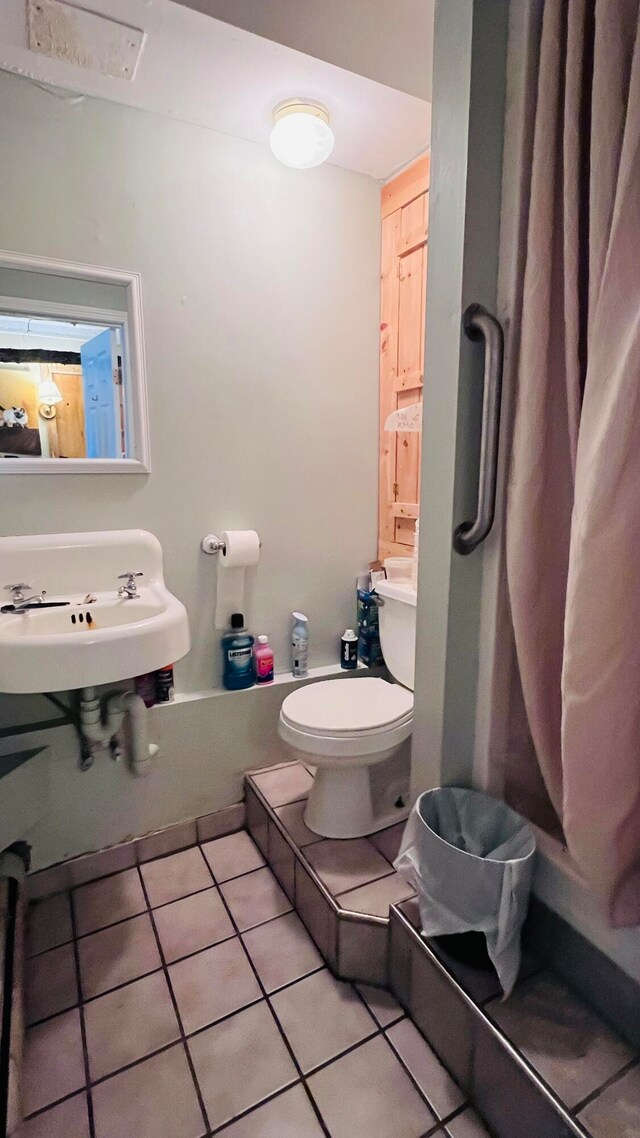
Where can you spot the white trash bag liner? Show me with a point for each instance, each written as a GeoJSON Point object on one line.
{"type": "Point", "coordinates": [469, 858]}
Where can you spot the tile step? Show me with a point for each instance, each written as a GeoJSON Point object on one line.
{"type": "Point", "coordinates": [455, 1007]}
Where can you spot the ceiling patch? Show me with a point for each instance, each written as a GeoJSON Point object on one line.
{"type": "Point", "coordinates": [85, 39]}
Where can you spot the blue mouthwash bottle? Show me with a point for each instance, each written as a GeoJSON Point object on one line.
{"type": "Point", "coordinates": [238, 667]}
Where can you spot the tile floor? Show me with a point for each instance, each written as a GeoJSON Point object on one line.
{"type": "Point", "coordinates": [184, 998]}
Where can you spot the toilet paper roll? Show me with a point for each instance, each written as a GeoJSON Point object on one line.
{"type": "Point", "coordinates": [242, 550]}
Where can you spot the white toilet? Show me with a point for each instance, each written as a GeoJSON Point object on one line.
{"type": "Point", "coordinates": [345, 727]}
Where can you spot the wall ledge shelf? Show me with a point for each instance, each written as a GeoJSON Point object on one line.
{"type": "Point", "coordinates": [286, 679]}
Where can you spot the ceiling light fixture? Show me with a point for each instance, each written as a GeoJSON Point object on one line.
{"type": "Point", "coordinates": [301, 136]}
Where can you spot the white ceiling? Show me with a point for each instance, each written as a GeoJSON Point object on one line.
{"type": "Point", "coordinates": [36, 326]}
{"type": "Point", "coordinates": [23, 332]}
{"type": "Point", "coordinates": [389, 42]}
{"type": "Point", "coordinates": [203, 71]}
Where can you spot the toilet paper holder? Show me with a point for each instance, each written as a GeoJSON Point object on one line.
{"type": "Point", "coordinates": [212, 544]}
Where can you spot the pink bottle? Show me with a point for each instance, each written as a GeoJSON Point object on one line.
{"type": "Point", "coordinates": [263, 656]}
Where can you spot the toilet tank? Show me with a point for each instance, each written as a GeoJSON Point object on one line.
{"type": "Point", "coordinates": [397, 617]}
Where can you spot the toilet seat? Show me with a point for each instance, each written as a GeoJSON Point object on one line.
{"type": "Point", "coordinates": [347, 719]}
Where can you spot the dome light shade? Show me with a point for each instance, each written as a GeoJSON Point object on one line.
{"type": "Point", "coordinates": [301, 136]}
{"type": "Point", "coordinates": [49, 392]}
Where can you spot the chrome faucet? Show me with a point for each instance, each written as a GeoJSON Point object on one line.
{"type": "Point", "coordinates": [21, 603]}
{"type": "Point", "coordinates": [130, 588]}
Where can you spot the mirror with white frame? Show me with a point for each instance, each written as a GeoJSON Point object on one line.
{"type": "Point", "coordinates": [72, 381]}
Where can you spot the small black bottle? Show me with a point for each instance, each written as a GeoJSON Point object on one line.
{"type": "Point", "coordinates": [349, 650]}
{"type": "Point", "coordinates": [164, 684]}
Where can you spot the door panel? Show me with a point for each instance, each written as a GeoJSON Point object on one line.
{"type": "Point", "coordinates": [415, 223]}
{"type": "Point", "coordinates": [412, 273]}
{"type": "Point", "coordinates": [100, 397]}
{"type": "Point", "coordinates": [70, 413]}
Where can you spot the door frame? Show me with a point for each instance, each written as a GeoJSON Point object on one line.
{"type": "Point", "coordinates": [469, 85]}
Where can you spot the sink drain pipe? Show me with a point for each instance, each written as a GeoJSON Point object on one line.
{"type": "Point", "coordinates": [100, 726]}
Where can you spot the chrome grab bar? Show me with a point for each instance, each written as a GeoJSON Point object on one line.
{"type": "Point", "coordinates": [479, 324]}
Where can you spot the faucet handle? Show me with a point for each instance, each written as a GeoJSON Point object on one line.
{"type": "Point", "coordinates": [19, 588]}
{"type": "Point", "coordinates": [129, 589]}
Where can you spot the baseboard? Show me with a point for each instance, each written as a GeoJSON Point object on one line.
{"type": "Point", "coordinates": [78, 870]}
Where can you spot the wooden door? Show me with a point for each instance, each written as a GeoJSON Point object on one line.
{"type": "Point", "coordinates": [405, 223]}
{"type": "Point", "coordinates": [70, 413]}
{"type": "Point", "coordinates": [65, 428]}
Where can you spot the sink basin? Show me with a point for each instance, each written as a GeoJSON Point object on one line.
{"type": "Point", "coordinates": [87, 642]}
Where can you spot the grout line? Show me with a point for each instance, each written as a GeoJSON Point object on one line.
{"type": "Point", "coordinates": [588, 1099]}
{"type": "Point", "coordinates": [199, 1030]}
{"type": "Point", "coordinates": [119, 1071]}
{"type": "Point", "coordinates": [91, 999]}
{"type": "Point", "coordinates": [379, 1030]}
{"type": "Point", "coordinates": [83, 1029]}
{"type": "Point", "coordinates": [43, 951]}
{"type": "Point", "coordinates": [56, 1102]}
{"type": "Point", "coordinates": [264, 993]}
{"type": "Point", "coordinates": [293, 802]}
{"type": "Point", "coordinates": [178, 960]}
{"type": "Point", "coordinates": [435, 1130]}
{"type": "Point", "coordinates": [220, 1130]}
{"type": "Point", "coordinates": [290, 983]}
{"type": "Point", "coordinates": [316, 1109]}
{"type": "Point", "coordinates": [150, 1055]}
{"type": "Point", "coordinates": [176, 1009]}
{"type": "Point", "coordinates": [423, 1094]}
{"type": "Point", "coordinates": [296, 851]}
{"type": "Point", "coordinates": [453, 1114]}
{"type": "Point", "coordinates": [162, 905]}
{"type": "Point", "coordinates": [121, 920]}
{"type": "Point", "coordinates": [344, 1053]}
{"type": "Point", "coordinates": [363, 885]}
{"type": "Point", "coordinates": [397, 1020]}
{"type": "Point", "coordinates": [442, 1127]}
{"type": "Point", "coordinates": [113, 924]}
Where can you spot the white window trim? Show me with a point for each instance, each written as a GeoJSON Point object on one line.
{"type": "Point", "coordinates": [136, 408]}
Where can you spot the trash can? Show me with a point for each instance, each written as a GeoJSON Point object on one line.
{"type": "Point", "coordinates": [469, 858]}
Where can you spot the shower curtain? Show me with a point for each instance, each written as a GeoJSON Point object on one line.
{"type": "Point", "coordinates": [573, 498]}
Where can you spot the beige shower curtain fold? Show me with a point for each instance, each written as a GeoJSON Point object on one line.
{"type": "Point", "coordinates": [573, 506]}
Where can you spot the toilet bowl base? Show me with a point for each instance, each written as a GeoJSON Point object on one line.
{"type": "Point", "coordinates": [340, 805]}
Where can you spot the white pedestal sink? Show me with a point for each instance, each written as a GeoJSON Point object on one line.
{"type": "Point", "coordinates": [97, 636]}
